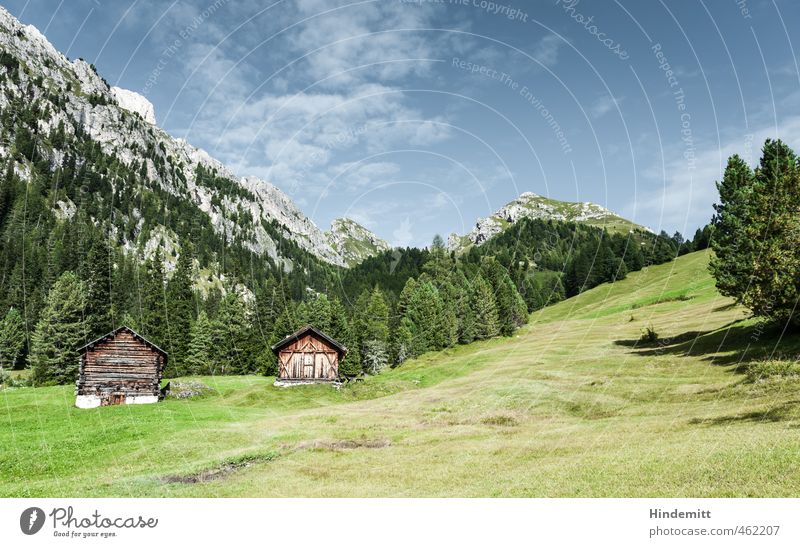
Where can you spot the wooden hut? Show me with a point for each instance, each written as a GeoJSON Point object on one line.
{"type": "Point", "coordinates": [308, 356]}
{"type": "Point", "coordinates": [121, 367]}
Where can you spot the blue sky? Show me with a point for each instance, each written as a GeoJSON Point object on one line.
{"type": "Point", "coordinates": [417, 117]}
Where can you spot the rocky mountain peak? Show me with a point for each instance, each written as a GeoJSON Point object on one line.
{"type": "Point", "coordinates": [133, 102]}
{"type": "Point", "coordinates": [531, 205]}
{"type": "Point", "coordinates": [122, 124]}
{"type": "Point", "coordinates": [353, 241]}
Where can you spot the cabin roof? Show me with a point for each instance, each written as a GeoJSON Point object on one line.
{"type": "Point", "coordinates": [116, 331]}
{"type": "Point", "coordinates": [308, 328]}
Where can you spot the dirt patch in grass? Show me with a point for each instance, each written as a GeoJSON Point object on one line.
{"type": "Point", "coordinates": [220, 471]}
{"type": "Point", "coordinates": [500, 420]}
{"type": "Point", "coordinates": [346, 444]}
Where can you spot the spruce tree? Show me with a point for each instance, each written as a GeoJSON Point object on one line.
{"type": "Point", "coordinates": [98, 288]}
{"type": "Point", "coordinates": [201, 346]}
{"type": "Point", "coordinates": [151, 309]}
{"type": "Point", "coordinates": [757, 234]}
{"type": "Point", "coordinates": [12, 339]}
{"type": "Point", "coordinates": [61, 329]}
{"type": "Point", "coordinates": [232, 337]}
{"type": "Point", "coordinates": [484, 309]}
{"type": "Point", "coordinates": [180, 311]}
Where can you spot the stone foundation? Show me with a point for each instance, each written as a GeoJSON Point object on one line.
{"type": "Point", "coordinates": [94, 401]}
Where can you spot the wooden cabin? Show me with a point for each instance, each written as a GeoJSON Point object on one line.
{"type": "Point", "coordinates": [121, 367]}
{"type": "Point", "coordinates": [308, 356]}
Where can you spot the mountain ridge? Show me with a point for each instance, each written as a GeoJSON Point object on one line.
{"type": "Point", "coordinates": [535, 206]}
{"type": "Point", "coordinates": [122, 123]}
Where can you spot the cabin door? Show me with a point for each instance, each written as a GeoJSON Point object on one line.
{"type": "Point", "coordinates": [308, 365]}
{"type": "Point", "coordinates": [322, 369]}
{"type": "Point", "coordinates": [297, 366]}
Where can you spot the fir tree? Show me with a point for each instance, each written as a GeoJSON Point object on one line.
{"type": "Point", "coordinates": [151, 308]}
{"type": "Point", "coordinates": [12, 339]}
{"type": "Point", "coordinates": [232, 337]}
{"type": "Point", "coordinates": [98, 288]}
{"type": "Point", "coordinates": [484, 309]}
{"type": "Point", "coordinates": [201, 346]}
{"type": "Point", "coordinates": [61, 329]}
{"type": "Point", "coordinates": [180, 311]}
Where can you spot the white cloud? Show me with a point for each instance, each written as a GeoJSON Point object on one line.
{"type": "Point", "coordinates": [603, 105]}
{"type": "Point", "coordinates": [546, 50]}
{"type": "Point", "coordinates": [358, 175]}
{"type": "Point", "coordinates": [686, 197]}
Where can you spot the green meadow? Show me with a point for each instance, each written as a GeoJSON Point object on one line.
{"type": "Point", "coordinates": [574, 404]}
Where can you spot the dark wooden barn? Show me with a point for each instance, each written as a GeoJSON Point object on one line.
{"type": "Point", "coordinates": [121, 367]}
{"type": "Point", "coordinates": [308, 356]}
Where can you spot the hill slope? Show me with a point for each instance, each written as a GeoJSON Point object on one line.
{"type": "Point", "coordinates": [572, 406]}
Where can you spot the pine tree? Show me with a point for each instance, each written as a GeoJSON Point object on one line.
{"type": "Point", "coordinates": [404, 340]}
{"type": "Point", "coordinates": [423, 315]}
{"type": "Point", "coordinates": [98, 288]}
{"type": "Point", "coordinates": [201, 346]}
{"type": "Point", "coordinates": [61, 329]}
{"type": "Point", "coordinates": [376, 321]}
{"type": "Point", "coordinates": [757, 234]}
{"type": "Point", "coordinates": [151, 309]}
{"type": "Point", "coordinates": [317, 312]}
{"type": "Point", "coordinates": [232, 337]}
{"type": "Point", "coordinates": [484, 309]}
{"type": "Point", "coordinates": [12, 339]}
{"type": "Point", "coordinates": [180, 312]}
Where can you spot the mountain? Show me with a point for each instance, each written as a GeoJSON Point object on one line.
{"type": "Point", "coordinates": [72, 117]}
{"type": "Point", "coordinates": [353, 242]}
{"type": "Point", "coordinates": [530, 205]}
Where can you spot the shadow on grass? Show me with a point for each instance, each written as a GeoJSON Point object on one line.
{"type": "Point", "coordinates": [732, 344]}
{"type": "Point", "coordinates": [779, 413]}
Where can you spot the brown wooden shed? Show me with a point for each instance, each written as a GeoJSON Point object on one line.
{"type": "Point", "coordinates": [308, 356]}
{"type": "Point", "coordinates": [121, 367]}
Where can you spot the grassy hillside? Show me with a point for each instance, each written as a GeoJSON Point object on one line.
{"type": "Point", "coordinates": [574, 405]}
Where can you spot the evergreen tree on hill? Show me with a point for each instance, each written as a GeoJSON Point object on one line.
{"type": "Point", "coordinates": [201, 346]}
{"type": "Point", "coordinates": [61, 329]}
{"type": "Point", "coordinates": [180, 312]}
{"type": "Point", "coordinates": [12, 339]}
{"type": "Point", "coordinates": [756, 237]}
{"type": "Point", "coordinates": [98, 288]}
{"type": "Point", "coordinates": [484, 309]}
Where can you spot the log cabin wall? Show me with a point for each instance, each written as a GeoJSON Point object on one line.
{"type": "Point", "coordinates": [119, 366]}
{"type": "Point", "coordinates": [308, 358]}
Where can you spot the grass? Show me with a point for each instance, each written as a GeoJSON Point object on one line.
{"type": "Point", "coordinates": [573, 405]}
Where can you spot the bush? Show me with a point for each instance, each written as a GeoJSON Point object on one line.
{"type": "Point", "coordinates": [773, 368]}
{"type": "Point", "coordinates": [649, 335]}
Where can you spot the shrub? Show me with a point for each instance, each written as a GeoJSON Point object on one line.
{"type": "Point", "coordinates": [773, 368]}
{"type": "Point", "coordinates": [649, 335]}
{"type": "Point", "coordinates": [188, 390]}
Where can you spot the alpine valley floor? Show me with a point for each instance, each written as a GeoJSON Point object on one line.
{"type": "Point", "coordinates": [573, 405]}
